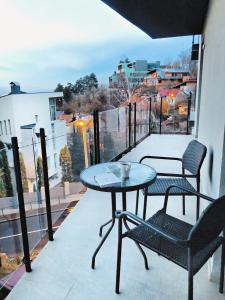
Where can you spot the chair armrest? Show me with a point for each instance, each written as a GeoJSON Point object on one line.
{"type": "Point", "coordinates": [124, 214]}
{"type": "Point", "coordinates": [177, 175]}
{"type": "Point", "coordinates": [186, 190]}
{"type": "Point", "coordinates": [160, 157]}
{"type": "Point", "coordinates": [189, 191]}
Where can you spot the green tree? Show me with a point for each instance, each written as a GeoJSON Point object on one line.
{"type": "Point", "coordinates": [2, 186]}
{"type": "Point", "coordinates": [6, 174]}
{"type": "Point", "coordinates": [59, 88]}
{"type": "Point", "coordinates": [40, 175]}
{"type": "Point", "coordinates": [81, 86]}
{"type": "Point", "coordinates": [40, 178]}
{"type": "Point", "coordinates": [23, 173]}
{"type": "Point", "coordinates": [66, 164]}
{"type": "Point", "coordinates": [85, 84]}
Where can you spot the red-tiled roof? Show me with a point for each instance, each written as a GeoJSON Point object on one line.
{"type": "Point", "coordinates": [168, 92]}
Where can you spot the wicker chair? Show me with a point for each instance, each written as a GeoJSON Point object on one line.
{"type": "Point", "coordinates": [191, 161]}
{"type": "Point", "coordinates": [186, 245]}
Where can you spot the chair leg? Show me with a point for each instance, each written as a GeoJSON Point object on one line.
{"type": "Point", "coordinates": [137, 202]}
{"type": "Point", "coordinates": [190, 286]}
{"type": "Point", "coordinates": [145, 203]}
{"type": "Point", "coordinates": [198, 198]}
{"type": "Point", "coordinates": [183, 204]}
{"type": "Point", "coordinates": [119, 250]}
{"type": "Point", "coordinates": [190, 276]}
{"type": "Point", "coordinates": [222, 268]}
{"type": "Point", "coordinates": [143, 254]}
{"type": "Point", "coordinates": [197, 208]}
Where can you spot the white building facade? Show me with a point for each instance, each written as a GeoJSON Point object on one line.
{"type": "Point", "coordinates": [22, 115]}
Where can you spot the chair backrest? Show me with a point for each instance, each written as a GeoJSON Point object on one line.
{"type": "Point", "coordinates": [193, 157]}
{"type": "Point", "coordinates": [209, 225]}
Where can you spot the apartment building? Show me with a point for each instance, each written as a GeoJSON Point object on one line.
{"type": "Point", "coordinates": [133, 73]}
{"type": "Point", "coordinates": [22, 115]}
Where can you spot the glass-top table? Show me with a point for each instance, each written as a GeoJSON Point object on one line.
{"type": "Point", "coordinates": [140, 177]}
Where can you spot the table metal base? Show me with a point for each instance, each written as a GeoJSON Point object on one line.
{"type": "Point", "coordinates": [113, 200]}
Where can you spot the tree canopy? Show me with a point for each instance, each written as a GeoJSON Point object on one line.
{"type": "Point", "coordinates": [81, 86]}
{"type": "Point", "coordinates": [66, 164]}
{"type": "Point", "coordinates": [6, 184]}
{"type": "Point", "coordinates": [23, 173]}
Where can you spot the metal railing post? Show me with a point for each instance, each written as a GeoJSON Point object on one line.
{"type": "Point", "coordinates": [46, 183]}
{"type": "Point", "coordinates": [129, 126]}
{"type": "Point", "coordinates": [98, 140]}
{"type": "Point", "coordinates": [160, 117]}
{"type": "Point", "coordinates": [150, 116]}
{"type": "Point", "coordinates": [96, 136]}
{"type": "Point", "coordinates": [188, 113]}
{"type": "Point", "coordinates": [135, 122]}
{"type": "Point", "coordinates": [19, 186]}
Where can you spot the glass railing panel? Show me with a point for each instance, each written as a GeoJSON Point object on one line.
{"type": "Point", "coordinates": [11, 248]}
{"type": "Point", "coordinates": [69, 152]}
{"type": "Point", "coordinates": [113, 133]}
{"type": "Point", "coordinates": [142, 112]}
{"type": "Point", "coordinates": [174, 115]}
{"type": "Point", "coordinates": [155, 115]}
{"type": "Point", "coordinates": [33, 188]}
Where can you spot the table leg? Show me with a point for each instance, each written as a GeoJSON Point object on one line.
{"type": "Point", "coordinates": [113, 198]}
{"type": "Point", "coordinates": [101, 227]}
{"type": "Point", "coordinates": [124, 204]}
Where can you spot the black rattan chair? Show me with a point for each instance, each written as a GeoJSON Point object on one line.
{"type": "Point", "coordinates": [191, 161]}
{"type": "Point", "coordinates": [184, 244]}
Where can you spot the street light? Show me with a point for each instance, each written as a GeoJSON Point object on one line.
{"type": "Point", "coordinates": [83, 124]}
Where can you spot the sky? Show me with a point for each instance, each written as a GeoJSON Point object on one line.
{"type": "Point", "coordinates": [44, 42]}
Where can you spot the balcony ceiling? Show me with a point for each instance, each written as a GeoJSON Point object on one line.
{"type": "Point", "coordinates": [163, 18]}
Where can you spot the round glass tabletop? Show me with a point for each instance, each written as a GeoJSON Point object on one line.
{"type": "Point", "coordinates": [140, 176]}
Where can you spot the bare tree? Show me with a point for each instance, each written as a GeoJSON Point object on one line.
{"type": "Point", "coordinates": [184, 61]}
{"type": "Point", "coordinates": [95, 98]}
{"type": "Point", "coordinates": [126, 88]}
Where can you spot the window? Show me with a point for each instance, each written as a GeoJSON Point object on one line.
{"type": "Point", "coordinates": [53, 128]}
{"type": "Point", "coordinates": [1, 129]}
{"type": "Point", "coordinates": [53, 142]}
{"type": "Point", "coordinates": [5, 125]}
{"type": "Point", "coordinates": [55, 160]}
{"type": "Point", "coordinates": [49, 162]}
{"type": "Point", "coordinates": [36, 118]}
{"type": "Point", "coordinates": [10, 129]}
{"type": "Point", "coordinates": [52, 108]}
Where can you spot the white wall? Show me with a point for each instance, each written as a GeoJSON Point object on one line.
{"type": "Point", "coordinates": [6, 113]}
{"type": "Point", "coordinates": [212, 101]}
{"type": "Point", "coordinates": [212, 110]}
{"type": "Point", "coordinates": [21, 110]}
{"type": "Point", "coordinates": [26, 106]}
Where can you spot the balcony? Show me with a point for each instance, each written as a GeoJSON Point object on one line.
{"type": "Point", "coordinates": [63, 268]}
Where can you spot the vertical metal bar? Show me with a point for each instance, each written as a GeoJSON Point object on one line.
{"type": "Point", "coordinates": [150, 116]}
{"type": "Point", "coordinates": [160, 117]}
{"type": "Point", "coordinates": [19, 186]}
{"type": "Point", "coordinates": [188, 113]}
{"type": "Point", "coordinates": [190, 275]}
{"type": "Point", "coordinates": [95, 137]}
{"type": "Point", "coordinates": [222, 264]}
{"type": "Point", "coordinates": [46, 183]}
{"type": "Point", "coordinates": [129, 125]}
{"type": "Point", "coordinates": [135, 122]}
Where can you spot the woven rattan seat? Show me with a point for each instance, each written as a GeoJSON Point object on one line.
{"type": "Point", "coordinates": [186, 245]}
{"type": "Point", "coordinates": [174, 252]}
{"type": "Point", "coordinates": [191, 163]}
{"type": "Point", "coordinates": [160, 186]}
